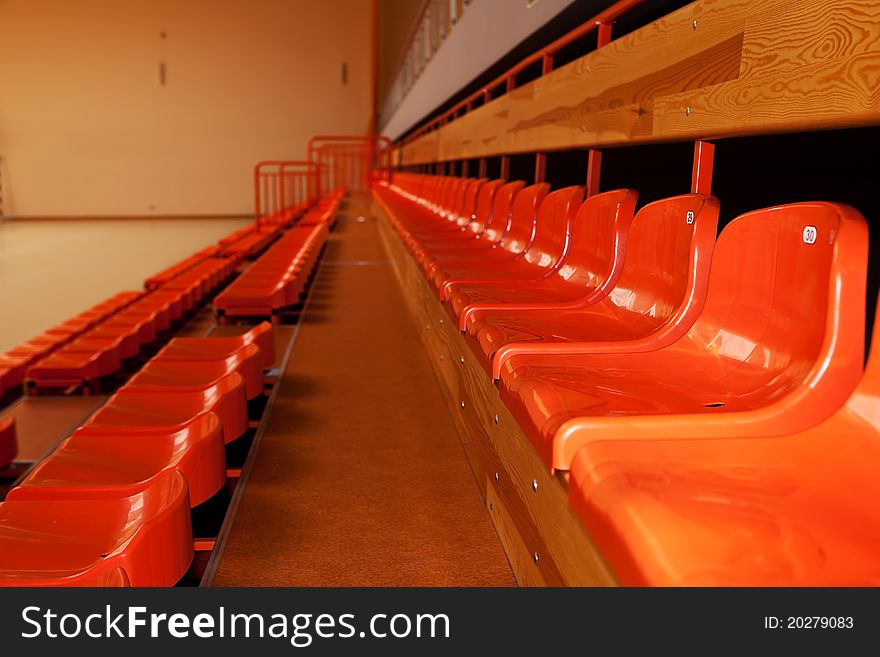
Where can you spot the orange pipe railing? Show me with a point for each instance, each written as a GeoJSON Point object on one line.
{"type": "Point", "coordinates": [601, 22]}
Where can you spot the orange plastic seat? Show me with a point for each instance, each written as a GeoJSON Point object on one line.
{"type": "Point", "coordinates": [777, 347]}
{"type": "Point", "coordinates": [84, 361]}
{"type": "Point", "coordinates": [594, 242]}
{"type": "Point", "coordinates": [481, 232]}
{"type": "Point", "coordinates": [163, 372]}
{"type": "Point", "coordinates": [144, 539]}
{"type": "Point", "coordinates": [405, 213]}
{"type": "Point", "coordinates": [136, 409]}
{"type": "Point", "coordinates": [511, 249]}
{"type": "Point", "coordinates": [146, 321]}
{"type": "Point", "coordinates": [496, 221]}
{"type": "Point", "coordinates": [8, 442]}
{"type": "Point", "coordinates": [466, 220]}
{"type": "Point", "coordinates": [545, 254]}
{"type": "Point", "coordinates": [158, 312]}
{"type": "Point", "coordinates": [659, 292]}
{"type": "Point", "coordinates": [94, 464]}
{"type": "Point", "coordinates": [277, 279]}
{"type": "Point", "coordinates": [215, 348]}
{"type": "Point", "coordinates": [142, 326]}
{"type": "Point", "coordinates": [774, 510]}
{"type": "Point", "coordinates": [450, 216]}
{"type": "Point", "coordinates": [126, 335]}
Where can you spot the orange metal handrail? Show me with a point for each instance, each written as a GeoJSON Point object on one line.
{"type": "Point", "coordinates": [601, 22]}
{"type": "Point", "coordinates": [351, 155]}
{"type": "Point", "coordinates": [270, 188]}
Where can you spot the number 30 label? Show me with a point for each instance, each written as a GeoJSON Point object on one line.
{"type": "Point", "coordinates": [810, 233]}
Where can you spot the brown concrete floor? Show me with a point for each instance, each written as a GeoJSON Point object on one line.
{"type": "Point", "coordinates": [42, 422]}
{"type": "Point", "coordinates": [360, 479]}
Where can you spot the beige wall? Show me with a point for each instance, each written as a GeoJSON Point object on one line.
{"type": "Point", "coordinates": [87, 129]}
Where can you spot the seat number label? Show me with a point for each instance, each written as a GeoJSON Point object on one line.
{"type": "Point", "coordinates": [810, 233]}
{"type": "Point", "coordinates": [690, 217]}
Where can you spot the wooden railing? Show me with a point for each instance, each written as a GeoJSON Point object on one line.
{"type": "Point", "coordinates": [713, 69]}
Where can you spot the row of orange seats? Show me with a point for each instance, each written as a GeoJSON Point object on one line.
{"type": "Point", "coordinates": [278, 278]}
{"type": "Point", "coordinates": [101, 342]}
{"type": "Point", "coordinates": [110, 506]}
{"type": "Point", "coordinates": [705, 394]}
{"type": "Point", "coordinates": [101, 352]}
{"type": "Point", "coordinates": [255, 237]}
{"type": "Point", "coordinates": [97, 343]}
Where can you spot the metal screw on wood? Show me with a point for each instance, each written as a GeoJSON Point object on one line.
{"type": "Point", "coordinates": [535, 485]}
{"type": "Point", "coordinates": [687, 111]}
{"type": "Point", "coordinates": [441, 321]}
{"type": "Point", "coordinates": [491, 506]}
{"type": "Point", "coordinates": [497, 419]}
{"type": "Point", "coordinates": [694, 24]}
{"type": "Point", "coordinates": [462, 404]}
{"type": "Point", "coordinates": [536, 557]}
{"type": "Point", "coordinates": [496, 476]}
{"type": "Point", "coordinates": [461, 358]}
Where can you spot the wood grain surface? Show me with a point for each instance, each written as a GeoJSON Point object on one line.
{"type": "Point", "coordinates": [714, 68]}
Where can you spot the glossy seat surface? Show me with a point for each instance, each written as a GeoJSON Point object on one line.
{"type": "Point", "coordinates": [660, 290]}
{"type": "Point", "coordinates": [546, 252]}
{"type": "Point", "coordinates": [214, 348]}
{"type": "Point", "coordinates": [518, 238]}
{"type": "Point", "coordinates": [143, 539]}
{"type": "Point", "coordinates": [94, 464]}
{"type": "Point", "coordinates": [792, 510]}
{"type": "Point", "coordinates": [467, 236]}
{"type": "Point", "coordinates": [135, 409]}
{"type": "Point", "coordinates": [769, 350]}
{"type": "Point", "coordinates": [163, 372]}
{"type": "Point", "coordinates": [84, 359]}
{"type": "Point", "coordinates": [591, 266]}
{"type": "Point", "coordinates": [491, 223]}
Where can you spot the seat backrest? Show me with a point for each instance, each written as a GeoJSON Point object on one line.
{"type": "Point", "coordinates": [429, 188]}
{"type": "Point", "coordinates": [466, 211]}
{"type": "Point", "coordinates": [552, 228]}
{"type": "Point", "coordinates": [521, 230]}
{"type": "Point", "coordinates": [484, 203]}
{"type": "Point", "coordinates": [597, 244]}
{"type": "Point", "coordinates": [666, 259]}
{"type": "Point", "coordinates": [501, 208]}
{"type": "Point", "coordinates": [786, 296]}
{"type": "Point", "coordinates": [437, 190]}
{"type": "Point", "coordinates": [455, 195]}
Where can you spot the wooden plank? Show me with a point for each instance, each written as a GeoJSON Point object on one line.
{"type": "Point", "coordinates": [714, 68]}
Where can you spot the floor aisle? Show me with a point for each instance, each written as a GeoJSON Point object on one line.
{"type": "Point", "coordinates": [360, 478]}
